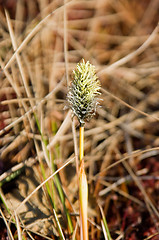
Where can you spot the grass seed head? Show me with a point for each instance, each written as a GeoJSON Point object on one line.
{"type": "Point", "coordinates": [83, 92]}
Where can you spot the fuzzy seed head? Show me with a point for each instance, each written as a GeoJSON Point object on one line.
{"type": "Point", "coordinates": [83, 92]}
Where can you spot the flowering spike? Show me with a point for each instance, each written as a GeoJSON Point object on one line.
{"type": "Point", "coordinates": [82, 95]}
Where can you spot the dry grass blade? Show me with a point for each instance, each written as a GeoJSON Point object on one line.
{"type": "Point", "coordinates": [63, 128]}
{"type": "Point", "coordinates": [59, 226]}
{"type": "Point", "coordinates": [104, 231]}
{"type": "Point", "coordinates": [129, 106]}
{"type": "Point", "coordinates": [104, 225]}
{"type": "Point", "coordinates": [18, 227]}
{"type": "Point", "coordinates": [133, 154]}
{"type": "Point", "coordinates": [7, 225]}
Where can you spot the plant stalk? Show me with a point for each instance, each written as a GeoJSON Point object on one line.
{"type": "Point", "coordinates": [83, 189]}
{"type": "Point", "coordinates": [81, 143]}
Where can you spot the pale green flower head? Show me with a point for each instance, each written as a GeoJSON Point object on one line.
{"type": "Point", "coordinates": [83, 92]}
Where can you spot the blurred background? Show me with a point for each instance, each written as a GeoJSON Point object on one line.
{"type": "Point", "coordinates": [41, 42]}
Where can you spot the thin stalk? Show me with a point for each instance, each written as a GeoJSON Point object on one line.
{"type": "Point", "coordinates": [83, 189]}
{"type": "Point", "coordinates": [105, 225]}
{"type": "Point", "coordinates": [81, 143]}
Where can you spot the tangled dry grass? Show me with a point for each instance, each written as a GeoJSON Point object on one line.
{"type": "Point", "coordinates": [40, 44]}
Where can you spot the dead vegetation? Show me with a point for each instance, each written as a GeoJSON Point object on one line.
{"type": "Point", "coordinates": [40, 44]}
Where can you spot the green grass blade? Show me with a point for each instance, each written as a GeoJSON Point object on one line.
{"type": "Point", "coordinates": [56, 177]}
{"type": "Point", "coordinates": [58, 184]}
{"type": "Point", "coordinates": [105, 225]}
